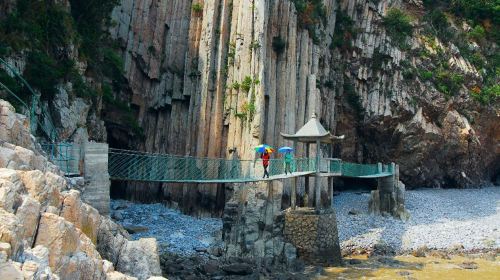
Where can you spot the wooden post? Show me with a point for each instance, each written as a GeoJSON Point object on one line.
{"type": "Point", "coordinates": [379, 165]}
{"type": "Point", "coordinates": [317, 191]}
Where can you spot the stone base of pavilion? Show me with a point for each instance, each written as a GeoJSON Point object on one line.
{"type": "Point", "coordinates": [314, 233]}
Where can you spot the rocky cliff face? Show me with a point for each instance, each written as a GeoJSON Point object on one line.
{"type": "Point", "coordinates": [233, 74]}
{"type": "Point", "coordinates": [46, 231]}
{"type": "Point", "coordinates": [206, 77]}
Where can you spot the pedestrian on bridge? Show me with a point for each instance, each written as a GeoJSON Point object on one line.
{"type": "Point", "coordinates": [265, 162]}
{"type": "Point", "coordinates": [288, 157]}
{"type": "Point", "coordinates": [288, 163]}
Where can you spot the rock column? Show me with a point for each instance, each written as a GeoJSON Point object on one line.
{"type": "Point", "coordinates": [389, 196]}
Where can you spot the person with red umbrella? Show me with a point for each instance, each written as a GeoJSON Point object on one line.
{"type": "Point", "coordinates": [265, 163]}
{"type": "Point", "coordinates": [266, 151]}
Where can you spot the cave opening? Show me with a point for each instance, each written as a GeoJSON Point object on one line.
{"type": "Point", "coordinates": [346, 184]}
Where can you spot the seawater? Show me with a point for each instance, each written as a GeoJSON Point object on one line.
{"type": "Point", "coordinates": [410, 268]}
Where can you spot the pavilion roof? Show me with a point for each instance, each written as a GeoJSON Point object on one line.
{"type": "Point", "coordinates": [312, 131]}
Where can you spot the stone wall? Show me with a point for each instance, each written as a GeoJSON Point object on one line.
{"type": "Point", "coordinates": [314, 234]}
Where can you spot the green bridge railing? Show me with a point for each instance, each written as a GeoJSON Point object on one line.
{"type": "Point", "coordinates": [63, 155]}
{"type": "Point", "coordinates": [47, 126]}
{"type": "Point", "coordinates": [141, 166]}
{"type": "Point", "coordinates": [59, 153]}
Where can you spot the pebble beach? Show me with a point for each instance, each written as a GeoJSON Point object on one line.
{"type": "Point", "coordinates": [439, 219]}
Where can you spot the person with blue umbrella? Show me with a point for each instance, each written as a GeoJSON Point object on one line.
{"type": "Point", "coordinates": [288, 157]}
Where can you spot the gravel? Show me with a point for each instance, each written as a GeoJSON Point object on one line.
{"type": "Point", "coordinates": [440, 219]}
{"type": "Point", "coordinates": [176, 233]}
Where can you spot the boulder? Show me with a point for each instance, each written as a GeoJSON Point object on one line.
{"type": "Point", "coordinates": [37, 258]}
{"type": "Point", "coordinates": [10, 195]}
{"type": "Point", "coordinates": [28, 214]}
{"type": "Point", "coordinates": [83, 216]}
{"type": "Point", "coordinates": [43, 187]}
{"type": "Point", "coordinates": [139, 258]}
{"type": "Point", "coordinates": [14, 128]}
{"type": "Point", "coordinates": [107, 266]}
{"type": "Point", "coordinates": [110, 239]}
{"type": "Point", "coordinates": [10, 271]}
{"type": "Point", "coordinates": [24, 158]}
{"type": "Point", "coordinates": [10, 233]}
{"type": "Point", "coordinates": [5, 248]}
{"type": "Point", "coordinates": [115, 275]}
{"type": "Point", "coordinates": [8, 158]}
{"type": "Point", "coordinates": [238, 269]}
{"type": "Point", "coordinates": [71, 253]}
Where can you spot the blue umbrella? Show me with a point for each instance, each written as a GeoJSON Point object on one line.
{"type": "Point", "coordinates": [285, 149]}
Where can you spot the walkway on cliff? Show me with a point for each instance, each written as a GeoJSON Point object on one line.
{"type": "Point", "coordinates": [129, 165]}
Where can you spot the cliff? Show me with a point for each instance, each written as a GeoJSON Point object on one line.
{"type": "Point", "coordinates": [233, 74]}
{"type": "Point", "coordinates": [410, 82]}
{"type": "Point", "coordinates": [46, 231]}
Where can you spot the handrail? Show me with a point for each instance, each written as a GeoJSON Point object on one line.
{"type": "Point", "coordinates": [51, 132]}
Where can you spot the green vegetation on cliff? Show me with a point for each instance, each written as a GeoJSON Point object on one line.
{"type": "Point", "coordinates": [398, 26]}
{"type": "Point", "coordinates": [310, 14]}
{"type": "Point", "coordinates": [472, 26]}
{"type": "Point", "coordinates": [344, 31]}
{"type": "Point", "coordinates": [54, 40]}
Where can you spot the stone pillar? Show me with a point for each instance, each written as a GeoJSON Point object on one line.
{"type": "Point", "coordinates": [306, 183]}
{"type": "Point", "coordinates": [330, 191]}
{"type": "Point", "coordinates": [314, 234]}
{"type": "Point", "coordinates": [95, 170]}
{"type": "Point", "coordinates": [386, 194]}
{"type": "Point", "coordinates": [317, 190]}
{"type": "Point", "coordinates": [293, 198]}
{"type": "Point", "coordinates": [389, 196]}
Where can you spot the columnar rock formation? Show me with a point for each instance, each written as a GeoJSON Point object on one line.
{"type": "Point", "coordinates": [233, 74]}
{"type": "Point", "coordinates": [205, 77]}
{"type": "Point", "coordinates": [253, 225]}
{"type": "Point", "coordinates": [46, 231]}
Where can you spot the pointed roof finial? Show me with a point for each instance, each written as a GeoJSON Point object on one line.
{"type": "Point", "coordinates": [313, 115]}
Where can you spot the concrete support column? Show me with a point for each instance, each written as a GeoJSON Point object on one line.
{"type": "Point", "coordinates": [95, 170]}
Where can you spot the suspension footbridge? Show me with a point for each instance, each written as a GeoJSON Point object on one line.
{"type": "Point", "coordinates": [126, 165]}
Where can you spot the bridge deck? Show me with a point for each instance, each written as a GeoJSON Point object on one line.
{"type": "Point", "coordinates": [250, 180]}
{"type": "Point", "coordinates": [223, 181]}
